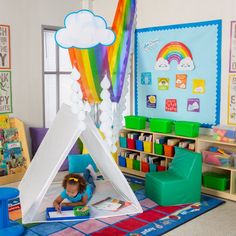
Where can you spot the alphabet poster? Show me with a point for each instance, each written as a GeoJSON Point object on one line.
{"type": "Point", "coordinates": [182, 67]}
{"type": "Point", "coordinates": [5, 57]}
{"type": "Point", "coordinates": [5, 92]}
{"type": "Point", "coordinates": [232, 100]}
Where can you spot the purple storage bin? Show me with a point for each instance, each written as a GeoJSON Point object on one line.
{"type": "Point", "coordinates": [37, 135]}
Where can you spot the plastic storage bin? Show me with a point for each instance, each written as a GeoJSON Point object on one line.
{"type": "Point", "coordinates": [187, 128]}
{"type": "Point", "coordinates": [144, 166]}
{"type": "Point", "coordinates": [161, 168]}
{"type": "Point", "coordinates": [224, 133]}
{"type": "Point", "coordinates": [136, 165]}
{"type": "Point", "coordinates": [135, 122]}
{"type": "Point", "coordinates": [161, 125]}
{"type": "Point", "coordinates": [123, 142]}
{"type": "Point", "coordinates": [131, 143]}
{"type": "Point", "coordinates": [168, 150]}
{"type": "Point", "coordinates": [152, 167]}
{"type": "Point", "coordinates": [216, 181]}
{"type": "Point", "coordinates": [217, 159]}
{"type": "Point", "coordinates": [139, 145]}
{"type": "Point", "coordinates": [147, 146]}
{"type": "Point", "coordinates": [129, 163]}
{"type": "Point", "coordinates": [122, 161]}
{"type": "Point", "coordinates": [158, 149]}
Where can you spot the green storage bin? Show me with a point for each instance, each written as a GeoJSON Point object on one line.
{"type": "Point", "coordinates": [216, 181]}
{"type": "Point", "coordinates": [158, 148]}
{"type": "Point", "coordinates": [161, 125]}
{"type": "Point", "coordinates": [135, 122]}
{"type": "Point", "coordinates": [136, 165]}
{"type": "Point", "coordinates": [187, 128]}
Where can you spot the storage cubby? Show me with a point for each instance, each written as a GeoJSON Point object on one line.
{"type": "Point", "coordinates": [226, 167]}
{"type": "Point", "coordinates": [155, 150]}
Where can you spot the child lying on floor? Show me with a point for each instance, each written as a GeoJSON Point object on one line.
{"type": "Point", "coordinates": [77, 189]}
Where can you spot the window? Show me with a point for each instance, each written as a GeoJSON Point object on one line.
{"type": "Point", "coordinates": [56, 72]}
{"type": "Point", "coordinates": [56, 78]}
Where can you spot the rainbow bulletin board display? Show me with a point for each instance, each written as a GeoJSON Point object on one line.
{"type": "Point", "coordinates": [178, 72]}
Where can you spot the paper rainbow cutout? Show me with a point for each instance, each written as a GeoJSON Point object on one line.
{"type": "Point", "coordinates": [174, 51]}
{"type": "Point", "coordinates": [94, 63]}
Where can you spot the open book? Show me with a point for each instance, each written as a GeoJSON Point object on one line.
{"type": "Point", "coordinates": [110, 204]}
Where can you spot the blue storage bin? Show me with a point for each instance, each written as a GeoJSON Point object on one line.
{"type": "Point", "coordinates": [139, 145]}
{"type": "Point", "coordinates": [123, 142]}
{"type": "Point", "coordinates": [153, 167]}
{"type": "Point", "coordinates": [122, 161]}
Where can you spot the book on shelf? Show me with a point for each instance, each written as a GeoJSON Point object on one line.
{"type": "Point", "coordinates": [111, 204]}
{"type": "Point", "coordinates": [4, 122]}
{"type": "Point", "coordinates": [11, 135]}
{"type": "Point", "coordinates": [173, 141]}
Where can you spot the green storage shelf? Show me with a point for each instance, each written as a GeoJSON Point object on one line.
{"type": "Point", "coordinates": [216, 181]}
{"type": "Point", "coordinates": [135, 122]}
{"type": "Point", "coordinates": [187, 128]}
{"type": "Point", "coordinates": [161, 125]}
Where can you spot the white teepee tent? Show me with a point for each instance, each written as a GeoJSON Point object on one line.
{"type": "Point", "coordinates": [50, 156]}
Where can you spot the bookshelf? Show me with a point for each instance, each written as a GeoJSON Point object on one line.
{"type": "Point", "coordinates": [202, 143]}
{"type": "Point", "coordinates": [164, 159]}
{"type": "Point", "coordinates": [19, 173]}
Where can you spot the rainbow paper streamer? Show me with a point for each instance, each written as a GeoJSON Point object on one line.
{"type": "Point", "coordinates": [94, 63]}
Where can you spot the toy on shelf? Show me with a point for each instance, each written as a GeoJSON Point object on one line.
{"type": "Point", "coordinates": [217, 157]}
{"type": "Point", "coordinates": [224, 133]}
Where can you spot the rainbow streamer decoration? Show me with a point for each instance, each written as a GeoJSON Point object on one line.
{"type": "Point", "coordinates": [174, 51]}
{"type": "Point", "coordinates": [94, 63]}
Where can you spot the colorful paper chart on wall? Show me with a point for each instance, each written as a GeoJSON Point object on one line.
{"type": "Point", "coordinates": [178, 72]}
{"type": "Point", "coordinates": [232, 100]}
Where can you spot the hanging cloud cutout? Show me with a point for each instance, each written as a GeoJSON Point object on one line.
{"type": "Point", "coordinates": [83, 30]}
{"type": "Point", "coordinates": [186, 64]}
{"type": "Point", "coordinates": [162, 64]}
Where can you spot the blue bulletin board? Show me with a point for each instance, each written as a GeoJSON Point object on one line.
{"type": "Point", "coordinates": [178, 72]}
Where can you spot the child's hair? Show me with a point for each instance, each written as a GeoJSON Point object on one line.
{"type": "Point", "coordinates": [75, 179]}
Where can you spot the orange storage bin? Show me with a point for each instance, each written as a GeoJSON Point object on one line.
{"type": "Point", "coordinates": [168, 150]}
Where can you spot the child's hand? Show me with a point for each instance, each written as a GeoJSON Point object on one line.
{"type": "Point", "coordinates": [57, 207]}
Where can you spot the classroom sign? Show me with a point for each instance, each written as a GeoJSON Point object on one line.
{"type": "Point", "coordinates": [232, 100]}
{"type": "Point", "coordinates": [5, 92]}
{"type": "Point", "coordinates": [5, 59]}
{"type": "Point", "coordinates": [185, 66]}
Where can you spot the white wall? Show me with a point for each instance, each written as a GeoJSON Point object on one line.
{"type": "Point", "coordinates": [155, 13]}
{"type": "Point", "coordinates": [25, 18]}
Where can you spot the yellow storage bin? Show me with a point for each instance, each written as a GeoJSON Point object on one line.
{"type": "Point", "coordinates": [129, 163]}
{"type": "Point", "coordinates": [147, 146]}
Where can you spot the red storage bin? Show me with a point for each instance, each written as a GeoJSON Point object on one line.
{"type": "Point", "coordinates": [131, 143]}
{"type": "Point", "coordinates": [161, 168]}
{"type": "Point", "coordinates": [144, 166]}
{"type": "Point", "coordinates": [168, 150]}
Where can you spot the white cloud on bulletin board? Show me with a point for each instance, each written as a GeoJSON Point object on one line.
{"type": "Point", "coordinates": [83, 30]}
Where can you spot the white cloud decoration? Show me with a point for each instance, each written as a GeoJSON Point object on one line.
{"type": "Point", "coordinates": [83, 30]}
{"type": "Point", "coordinates": [162, 64]}
{"type": "Point", "coordinates": [186, 64]}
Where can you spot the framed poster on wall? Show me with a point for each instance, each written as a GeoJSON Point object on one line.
{"type": "Point", "coordinates": [232, 100]}
{"type": "Point", "coordinates": [5, 50]}
{"type": "Point", "coordinates": [5, 92]}
{"type": "Point", "coordinates": [179, 65]}
{"type": "Point", "coordinates": [232, 59]}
